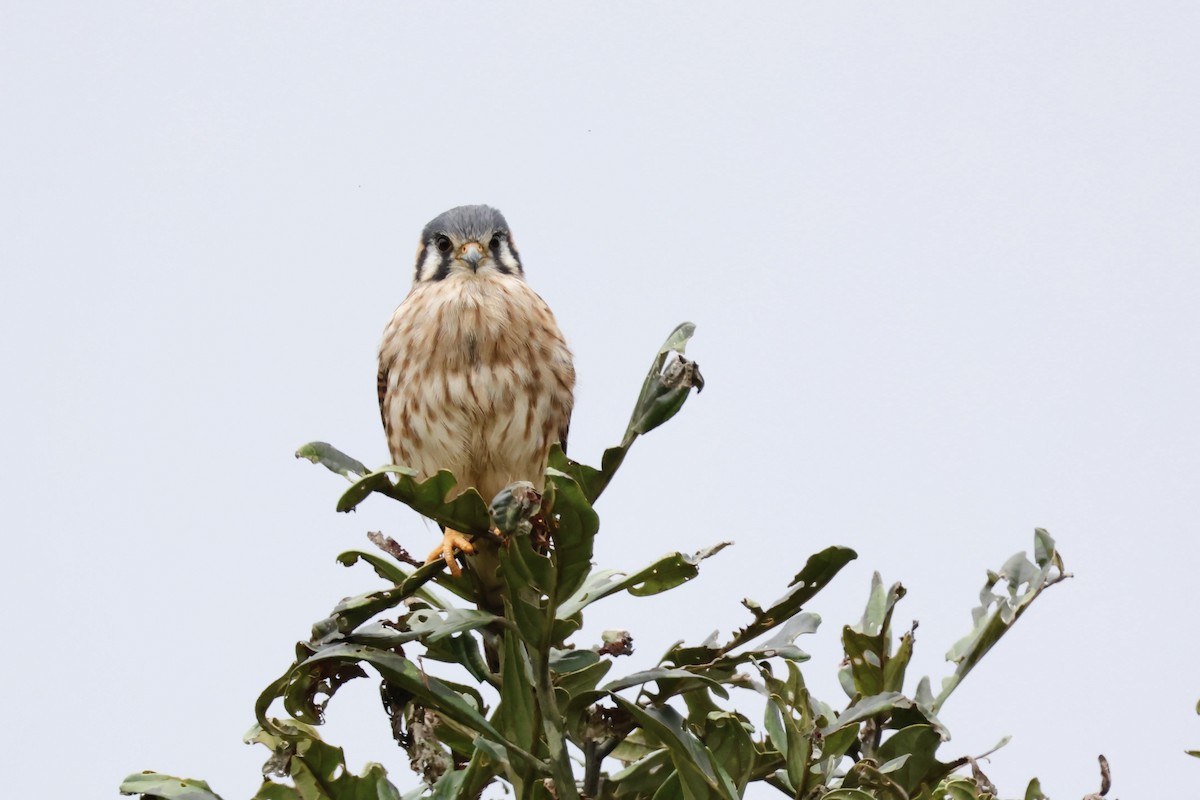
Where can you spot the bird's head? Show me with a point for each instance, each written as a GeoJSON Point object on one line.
{"type": "Point", "coordinates": [468, 240]}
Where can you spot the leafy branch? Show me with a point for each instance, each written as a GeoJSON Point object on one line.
{"type": "Point", "coordinates": [539, 711]}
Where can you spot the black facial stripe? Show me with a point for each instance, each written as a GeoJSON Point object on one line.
{"type": "Point", "coordinates": [497, 247]}
{"type": "Point", "coordinates": [420, 261]}
{"type": "Point", "coordinates": [443, 269]}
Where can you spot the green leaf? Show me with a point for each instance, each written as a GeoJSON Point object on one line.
{"type": "Point", "coordinates": [462, 650]}
{"type": "Point", "coordinates": [333, 459]}
{"type": "Point", "coordinates": [582, 680]}
{"type": "Point", "coordinates": [1023, 582]}
{"type": "Point", "coordinates": [591, 480]}
{"type": "Point", "coordinates": [847, 794]}
{"type": "Point", "coordinates": [573, 535]}
{"type": "Point", "coordinates": [959, 788]}
{"type": "Point", "coordinates": [866, 708]}
{"type": "Point", "coordinates": [865, 775]}
{"type": "Point", "coordinates": [572, 660]}
{"type": "Point", "coordinates": [666, 386]}
{"type": "Point", "coordinates": [666, 573]}
{"type": "Point", "coordinates": [154, 785]}
{"type": "Point", "coordinates": [1034, 791]}
{"type": "Point", "coordinates": [517, 713]}
{"type": "Point", "coordinates": [466, 512]}
{"type": "Point", "coordinates": [660, 674]}
{"type": "Point", "coordinates": [664, 391]}
{"type": "Point", "coordinates": [354, 611]}
{"type": "Point", "coordinates": [431, 692]}
{"type": "Point", "coordinates": [817, 573]}
{"type": "Point", "coordinates": [528, 576]}
{"type": "Point", "coordinates": [865, 661]}
{"type": "Point", "coordinates": [433, 625]}
{"type": "Point", "coordinates": [727, 738]}
{"type": "Point", "coordinates": [700, 777]}
{"type": "Point", "coordinates": [317, 770]}
{"type": "Point", "coordinates": [897, 664]}
{"type": "Point", "coordinates": [919, 743]}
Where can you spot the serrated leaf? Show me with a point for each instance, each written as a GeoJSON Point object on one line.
{"type": "Point", "coordinates": [466, 512]}
{"type": "Point", "coordinates": [816, 575]}
{"type": "Point", "coordinates": [431, 692]}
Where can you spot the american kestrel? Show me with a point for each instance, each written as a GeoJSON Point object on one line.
{"type": "Point", "coordinates": [474, 374]}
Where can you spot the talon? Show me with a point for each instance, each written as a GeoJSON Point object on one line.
{"type": "Point", "coordinates": [451, 540]}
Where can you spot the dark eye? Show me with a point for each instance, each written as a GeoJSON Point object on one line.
{"type": "Point", "coordinates": [498, 237]}
{"type": "Point", "coordinates": [443, 243]}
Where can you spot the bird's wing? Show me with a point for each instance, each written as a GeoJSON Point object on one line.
{"type": "Point", "coordinates": [381, 382]}
{"type": "Point", "coordinates": [562, 434]}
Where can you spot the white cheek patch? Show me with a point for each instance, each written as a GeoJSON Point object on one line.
{"type": "Point", "coordinates": [429, 265]}
{"type": "Point", "coordinates": [508, 259]}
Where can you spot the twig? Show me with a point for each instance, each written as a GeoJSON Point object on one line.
{"type": "Point", "coordinates": [390, 546]}
{"type": "Point", "coordinates": [1105, 781]}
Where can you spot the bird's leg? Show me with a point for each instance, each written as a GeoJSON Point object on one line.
{"type": "Point", "coordinates": [451, 540]}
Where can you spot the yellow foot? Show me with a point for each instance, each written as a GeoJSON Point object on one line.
{"type": "Point", "coordinates": [451, 540]}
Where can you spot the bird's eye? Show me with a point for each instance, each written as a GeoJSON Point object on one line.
{"type": "Point", "coordinates": [443, 243]}
{"type": "Point", "coordinates": [498, 237]}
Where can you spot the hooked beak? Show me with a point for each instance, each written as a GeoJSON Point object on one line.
{"type": "Point", "coordinates": [472, 253]}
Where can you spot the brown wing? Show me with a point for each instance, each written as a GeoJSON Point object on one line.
{"type": "Point", "coordinates": [381, 383]}
{"type": "Point", "coordinates": [562, 435]}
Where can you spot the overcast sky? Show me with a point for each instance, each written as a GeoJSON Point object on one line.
{"type": "Point", "coordinates": [941, 256]}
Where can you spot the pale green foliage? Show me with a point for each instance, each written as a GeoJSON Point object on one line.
{"type": "Point", "coordinates": [562, 725]}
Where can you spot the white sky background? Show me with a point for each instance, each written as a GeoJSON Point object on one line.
{"type": "Point", "coordinates": [941, 257]}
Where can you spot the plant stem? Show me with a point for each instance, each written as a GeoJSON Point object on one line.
{"type": "Point", "coordinates": [556, 741]}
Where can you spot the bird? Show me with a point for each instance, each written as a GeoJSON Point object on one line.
{"type": "Point", "coordinates": [475, 376]}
